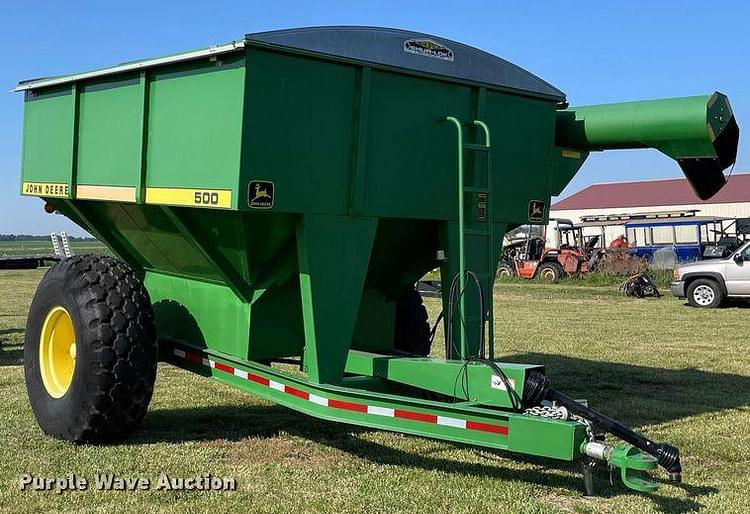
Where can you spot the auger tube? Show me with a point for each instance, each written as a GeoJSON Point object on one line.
{"type": "Point", "coordinates": [699, 132]}
{"type": "Point", "coordinates": [538, 388]}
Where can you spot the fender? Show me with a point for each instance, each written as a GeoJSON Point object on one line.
{"type": "Point", "coordinates": [715, 275]}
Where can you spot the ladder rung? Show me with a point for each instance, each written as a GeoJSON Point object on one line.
{"type": "Point", "coordinates": [477, 148]}
{"type": "Point", "coordinates": [471, 189]}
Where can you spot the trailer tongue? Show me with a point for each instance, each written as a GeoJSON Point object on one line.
{"type": "Point", "coordinates": [631, 463]}
{"type": "Point", "coordinates": [275, 199]}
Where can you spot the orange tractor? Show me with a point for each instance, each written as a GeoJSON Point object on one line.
{"type": "Point", "coordinates": [527, 255]}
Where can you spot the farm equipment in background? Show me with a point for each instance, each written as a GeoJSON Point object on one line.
{"type": "Point", "coordinates": [640, 285]}
{"type": "Point", "coordinates": [272, 199]}
{"type": "Point", "coordinates": [726, 239]}
{"type": "Point", "coordinates": [682, 237]}
{"type": "Point", "coordinates": [60, 247]}
{"type": "Point", "coordinates": [527, 255]}
{"type": "Point", "coordinates": [614, 259]}
{"type": "Point", "coordinates": [660, 239]}
{"type": "Point", "coordinates": [619, 262]}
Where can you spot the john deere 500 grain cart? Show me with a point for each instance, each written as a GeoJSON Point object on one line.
{"type": "Point", "coordinates": [276, 198]}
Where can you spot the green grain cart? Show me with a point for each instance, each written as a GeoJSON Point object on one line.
{"type": "Point", "coordinates": [275, 199]}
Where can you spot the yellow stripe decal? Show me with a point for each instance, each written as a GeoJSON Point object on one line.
{"type": "Point", "coordinates": [50, 189]}
{"type": "Point", "coordinates": [571, 154]}
{"type": "Point", "coordinates": [113, 193]}
{"type": "Point", "coordinates": [221, 198]}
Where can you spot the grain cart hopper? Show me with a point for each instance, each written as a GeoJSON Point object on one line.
{"type": "Point", "coordinates": [276, 199]}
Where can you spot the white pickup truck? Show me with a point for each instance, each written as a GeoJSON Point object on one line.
{"type": "Point", "coordinates": [707, 283]}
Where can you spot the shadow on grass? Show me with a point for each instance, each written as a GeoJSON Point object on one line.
{"type": "Point", "coordinates": [11, 353]}
{"type": "Point", "coordinates": [636, 395]}
{"type": "Point", "coordinates": [12, 357]}
{"type": "Point", "coordinates": [641, 395]}
{"type": "Point", "coordinates": [737, 303]}
{"type": "Point", "coordinates": [728, 303]}
{"type": "Point", "coordinates": [246, 422]}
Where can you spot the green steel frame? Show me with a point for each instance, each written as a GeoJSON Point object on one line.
{"type": "Point", "coordinates": [275, 210]}
{"type": "Point", "coordinates": [361, 403]}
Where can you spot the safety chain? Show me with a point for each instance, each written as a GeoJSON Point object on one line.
{"type": "Point", "coordinates": [558, 412]}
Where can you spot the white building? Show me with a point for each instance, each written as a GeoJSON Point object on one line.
{"type": "Point", "coordinates": [650, 196]}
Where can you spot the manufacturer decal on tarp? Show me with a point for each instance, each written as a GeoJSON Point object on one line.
{"type": "Point", "coordinates": [428, 48]}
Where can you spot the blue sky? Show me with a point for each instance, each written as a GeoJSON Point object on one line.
{"type": "Point", "coordinates": [594, 51]}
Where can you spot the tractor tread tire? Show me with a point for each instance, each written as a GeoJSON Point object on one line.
{"type": "Point", "coordinates": [505, 270]}
{"type": "Point", "coordinates": [412, 333]}
{"type": "Point", "coordinates": [555, 267]}
{"type": "Point", "coordinates": [115, 367]}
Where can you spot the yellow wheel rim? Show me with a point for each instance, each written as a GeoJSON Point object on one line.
{"type": "Point", "coordinates": [57, 352]}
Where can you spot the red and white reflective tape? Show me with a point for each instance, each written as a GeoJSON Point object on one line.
{"type": "Point", "coordinates": [343, 404]}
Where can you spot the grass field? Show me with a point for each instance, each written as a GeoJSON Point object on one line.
{"type": "Point", "coordinates": [11, 248]}
{"type": "Point", "coordinates": [679, 374]}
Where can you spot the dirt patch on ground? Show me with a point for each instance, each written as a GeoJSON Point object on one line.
{"type": "Point", "coordinates": [580, 301]}
{"type": "Point", "coordinates": [505, 296]}
{"type": "Point", "coordinates": [572, 301]}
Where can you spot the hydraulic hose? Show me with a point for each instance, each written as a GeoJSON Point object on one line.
{"type": "Point", "coordinates": [454, 297]}
{"type": "Point", "coordinates": [538, 387]}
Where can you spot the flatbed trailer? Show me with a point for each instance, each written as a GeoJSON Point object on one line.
{"type": "Point", "coordinates": [27, 261]}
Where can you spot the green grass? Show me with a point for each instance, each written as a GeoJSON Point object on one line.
{"type": "Point", "coordinates": [661, 278]}
{"type": "Point", "coordinates": [12, 248]}
{"type": "Point", "coordinates": [679, 374]}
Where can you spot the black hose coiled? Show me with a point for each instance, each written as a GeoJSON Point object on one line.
{"type": "Point", "coordinates": [535, 389]}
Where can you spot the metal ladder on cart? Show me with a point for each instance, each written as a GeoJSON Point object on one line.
{"type": "Point", "coordinates": [484, 204]}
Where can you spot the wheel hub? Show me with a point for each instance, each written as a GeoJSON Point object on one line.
{"type": "Point", "coordinates": [703, 295]}
{"type": "Point", "coordinates": [57, 352]}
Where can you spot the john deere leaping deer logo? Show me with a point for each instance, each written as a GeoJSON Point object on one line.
{"type": "Point", "coordinates": [536, 211]}
{"type": "Point", "coordinates": [260, 194]}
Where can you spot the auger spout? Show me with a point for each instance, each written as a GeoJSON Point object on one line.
{"type": "Point", "coordinates": [699, 132]}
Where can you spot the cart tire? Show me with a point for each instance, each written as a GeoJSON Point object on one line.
{"type": "Point", "coordinates": [90, 350]}
{"type": "Point", "coordinates": [704, 293]}
{"type": "Point", "coordinates": [505, 271]}
{"type": "Point", "coordinates": [550, 272]}
{"type": "Point", "coordinates": [412, 328]}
